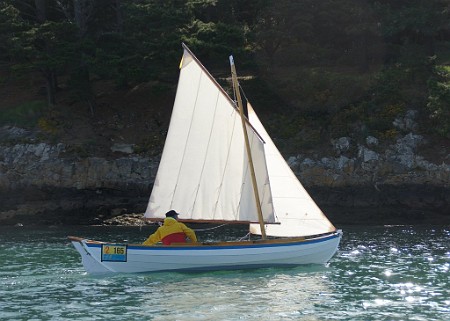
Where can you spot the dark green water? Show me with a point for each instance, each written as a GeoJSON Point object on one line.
{"type": "Point", "coordinates": [379, 273]}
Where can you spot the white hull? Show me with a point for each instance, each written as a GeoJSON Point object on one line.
{"type": "Point", "coordinates": [204, 257]}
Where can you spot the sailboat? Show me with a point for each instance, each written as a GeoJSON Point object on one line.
{"type": "Point", "coordinates": [219, 165]}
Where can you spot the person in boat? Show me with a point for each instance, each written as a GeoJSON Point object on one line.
{"type": "Point", "coordinates": [171, 231]}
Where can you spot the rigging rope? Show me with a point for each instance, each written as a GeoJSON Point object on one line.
{"type": "Point", "coordinates": [247, 236]}
{"type": "Point", "coordinates": [208, 229]}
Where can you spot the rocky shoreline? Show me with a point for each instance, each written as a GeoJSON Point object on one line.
{"type": "Point", "coordinates": [42, 183]}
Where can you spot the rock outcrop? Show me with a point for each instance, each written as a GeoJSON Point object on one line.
{"type": "Point", "coordinates": [44, 184]}
{"type": "Point", "coordinates": [392, 186]}
{"type": "Point", "coordinates": [41, 183]}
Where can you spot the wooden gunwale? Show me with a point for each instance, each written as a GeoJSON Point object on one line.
{"type": "Point", "coordinates": [160, 219]}
{"type": "Point", "coordinates": [206, 244]}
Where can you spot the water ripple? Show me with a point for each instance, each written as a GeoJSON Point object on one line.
{"type": "Point", "coordinates": [389, 273]}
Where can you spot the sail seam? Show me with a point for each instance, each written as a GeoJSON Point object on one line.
{"type": "Point", "coordinates": [236, 211]}
{"type": "Point", "coordinates": [206, 155]}
{"type": "Point", "coordinates": [187, 139]}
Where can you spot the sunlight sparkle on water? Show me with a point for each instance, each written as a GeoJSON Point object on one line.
{"type": "Point", "coordinates": [383, 273]}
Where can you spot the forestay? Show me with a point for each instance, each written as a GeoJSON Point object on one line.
{"type": "Point", "coordinates": [296, 211]}
{"type": "Point", "coordinates": [204, 173]}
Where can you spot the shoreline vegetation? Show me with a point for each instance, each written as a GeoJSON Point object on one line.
{"type": "Point", "coordinates": [355, 95]}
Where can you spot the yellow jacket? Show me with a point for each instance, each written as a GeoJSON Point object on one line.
{"type": "Point", "coordinates": [171, 226]}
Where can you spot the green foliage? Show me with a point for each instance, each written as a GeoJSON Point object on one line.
{"type": "Point", "coordinates": [346, 121]}
{"type": "Point", "coordinates": [151, 145]}
{"type": "Point", "coordinates": [327, 90]}
{"type": "Point", "coordinates": [10, 23]}
{"type": "Point", "coordinates": [26, 114]}
{"type": "Point", "coordinates": [154, 30]}
{"type": "Point", "coordinates": [439, 101]}
{"type": "Point", "coordinates": [294, 133]}
{"type": "Point", "coordinates": [46, 126]}
{"type": "Point", "coordinates": [379, 120]}
{"type": "Point", "coordinates": [47, 45]}
{"type": "Point", "coordinates": [264, 97]}
{"type": "Point", "coordinates": [214, 40]}
{"type": "Point", "coordinates": [413, 21]}
{"type": "Point", "coordinates": [327, 68]}
{"type": "Point", "coordinates": [49, 123]}
{"type": "Point", "coordinates": [366, 118]}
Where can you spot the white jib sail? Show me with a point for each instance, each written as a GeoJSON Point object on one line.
{"type": "Point", "coordinates": [203, 173]}
{"type": "Point", "coordinates": [296, 211]}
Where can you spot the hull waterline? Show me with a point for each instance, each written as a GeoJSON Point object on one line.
{"type": "Point", "coordinates": [208, 257]}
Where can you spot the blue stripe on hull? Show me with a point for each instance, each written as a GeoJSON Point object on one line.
{"type": "Point", "coordinates": [230, 268]}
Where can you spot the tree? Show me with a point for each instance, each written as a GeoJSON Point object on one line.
{"type": "Point", "coordinates": [414, 25]}
{"type": "Point", "coordinates": [279, 25]}
{"type": "Point", "coordinates": [11, 24]}
{"type": "Point", "coordinates": [35, 42]}
{"type": "Point", "coordinates": [438, 101]}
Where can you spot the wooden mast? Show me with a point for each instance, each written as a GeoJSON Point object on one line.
{"type": "Point", "coordinates": [247, 147]}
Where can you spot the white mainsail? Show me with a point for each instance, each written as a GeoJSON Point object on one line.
{"type": "Point", "coordinates": [296, 211]}
{"type": "Point", "coordinates": [204, 173]}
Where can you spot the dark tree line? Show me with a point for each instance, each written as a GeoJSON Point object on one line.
{"type": "Point", "coordinates": [325, 59]}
